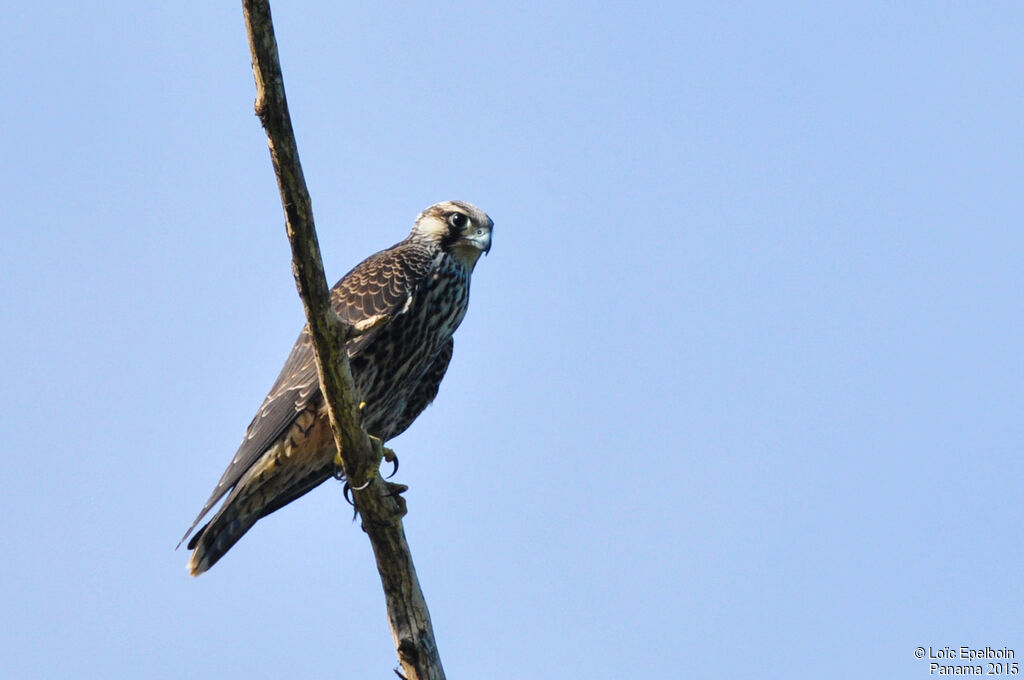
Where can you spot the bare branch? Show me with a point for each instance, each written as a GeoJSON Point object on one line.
{"type": "Point", "coordinates": [379, 503]}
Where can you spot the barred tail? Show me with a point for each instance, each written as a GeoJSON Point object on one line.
{"type": "Point", "coordinates": [212, 541]}
{"type": "Point", "coordinates": [255, 497]}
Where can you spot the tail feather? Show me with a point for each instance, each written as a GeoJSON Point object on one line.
{"type": "Point", "coordinates": [253, 499]}
{"type": "Point", "coordinates": [282, 474]}
{"type": "Point", "coordinates": [212, 541]}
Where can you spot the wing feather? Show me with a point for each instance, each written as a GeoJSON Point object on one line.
{"type": "Point", "coordinates": [384, 283]}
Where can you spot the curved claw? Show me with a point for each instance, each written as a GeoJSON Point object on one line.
{"type": "Point", "coordinates": [346, 491]}
{"type": "Point", "coordinates": [385, 453]}
{"type": "Point", "coordinates": [339, 468]}
{"type": "Point", "coordinates": [394, 471]}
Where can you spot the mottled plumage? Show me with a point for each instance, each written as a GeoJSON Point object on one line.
{"type": "Point", "coordinates": [422, 285]}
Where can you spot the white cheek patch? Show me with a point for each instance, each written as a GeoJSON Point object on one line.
{"type": "Point", "coordinates": [432, 228]}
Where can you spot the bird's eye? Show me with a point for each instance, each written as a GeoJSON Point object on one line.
{"type": "Point", "coordinates": [457, 220]}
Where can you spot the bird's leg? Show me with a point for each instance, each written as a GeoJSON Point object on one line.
{"type": "Point", "coordinates": [391, 457]}
{"type": "Point", "coordinates": [383, 452]}
{"type": "Point", "coordinates": [393, 490]}
{"type": "Point", "coordinates": [379, 450]}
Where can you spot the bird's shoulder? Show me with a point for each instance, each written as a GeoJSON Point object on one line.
{"type": "Point", "coordinates": [383, 283]}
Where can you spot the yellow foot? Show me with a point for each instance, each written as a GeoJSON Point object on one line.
{"type": "Point", "coordinates": [384, 452]}
{"type": "Point", "coordinates": [339, 467]}
{"type": "Point", "coordinates": [381, 451]}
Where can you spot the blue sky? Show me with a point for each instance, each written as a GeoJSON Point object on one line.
{"type": "Point", "coordinates": [738, 393]}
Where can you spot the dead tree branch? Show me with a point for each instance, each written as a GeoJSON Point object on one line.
{"type": "Point", "coordinates": [378, 503]}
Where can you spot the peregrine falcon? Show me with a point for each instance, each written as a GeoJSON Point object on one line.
{"type": "Point", "coordinates": [421, 288]}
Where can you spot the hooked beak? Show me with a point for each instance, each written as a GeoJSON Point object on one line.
{"type": "Point", "coordinates": [479, 239]}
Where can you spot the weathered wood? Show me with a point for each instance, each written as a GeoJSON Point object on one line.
{"type": "Point", "coordinates": [379, 504]}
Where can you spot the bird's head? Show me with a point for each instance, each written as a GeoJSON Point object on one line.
{"type": "Point", "coordinates": [460, 228]}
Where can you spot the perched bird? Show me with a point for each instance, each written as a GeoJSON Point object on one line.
{"type": "Point", "coordinates": [420, 288]}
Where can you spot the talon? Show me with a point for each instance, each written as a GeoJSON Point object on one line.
{"type": "Point", "coordinates": [346, 491]}
{"type": "Point", "coordinates": [382, 451]}
{"type": "Point", "coordinates": [393, 460]}
{"type": "Point", "coordinates": [390, 456]}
